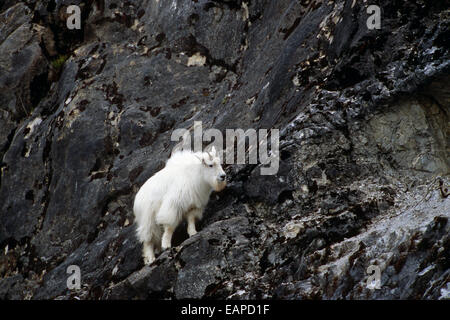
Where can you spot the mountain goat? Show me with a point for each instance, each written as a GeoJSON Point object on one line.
{"type": "Point", "coordinates": [180, 190]}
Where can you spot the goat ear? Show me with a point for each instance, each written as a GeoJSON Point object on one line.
{"type": "Point", "coordinates": [200, 158]}
{"type": "Point", "coordinates": [213, 151]}
{"type": "Point", "coordinates": [178, 147]}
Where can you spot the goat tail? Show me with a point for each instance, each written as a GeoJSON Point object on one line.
{"type": "Point", "coordinates": [147, 230]}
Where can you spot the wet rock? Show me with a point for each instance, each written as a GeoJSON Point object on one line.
{"type": "Point", "coordinates": [23, 80]}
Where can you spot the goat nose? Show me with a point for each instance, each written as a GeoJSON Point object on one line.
{"type": "Point", "coordinates": [222, 177]}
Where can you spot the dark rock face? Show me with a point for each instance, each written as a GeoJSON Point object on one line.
{"type": "Point", "coordinates": [364, 120]}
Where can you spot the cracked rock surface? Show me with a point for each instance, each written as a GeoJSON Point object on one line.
{"type": "Point", "coordinates": [364, 117]}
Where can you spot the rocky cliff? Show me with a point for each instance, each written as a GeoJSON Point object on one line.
{"type": "Point", "coordinates": [364, 117]}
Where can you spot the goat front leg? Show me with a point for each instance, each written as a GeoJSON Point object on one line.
{"type": "Point", "coordinates": [148, 252]}
{"type": "Point", "coordinates": [191, 216]}
{"type": "Point", "coordinates": [191, 225]}
{"type": "Point", "coordinates": [167, 237]}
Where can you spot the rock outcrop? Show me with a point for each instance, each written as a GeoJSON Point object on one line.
{"type": "Point", "coordinates": [364, 117]}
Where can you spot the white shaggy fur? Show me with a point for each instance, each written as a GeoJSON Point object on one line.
{"type": "Point", "coordinates": [180, 190]}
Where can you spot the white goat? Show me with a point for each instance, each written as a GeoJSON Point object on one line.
{"type": "Point", "coordinates": [180, 190]}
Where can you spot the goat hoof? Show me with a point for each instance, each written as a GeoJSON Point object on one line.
{"type": "Point", "coordinates": [148, 260]}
